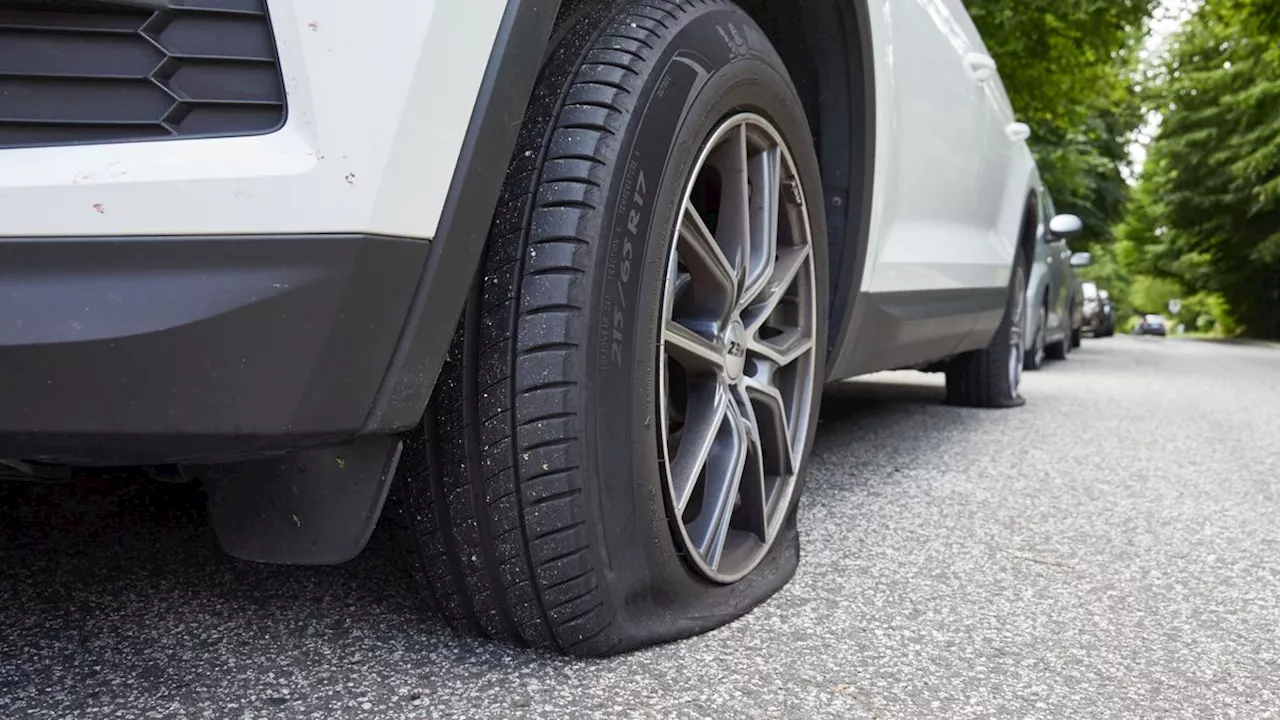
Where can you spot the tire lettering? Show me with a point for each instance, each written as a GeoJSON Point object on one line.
{"type": "Point", "coordinates": [628, 252]}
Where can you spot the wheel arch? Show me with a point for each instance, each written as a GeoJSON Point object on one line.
{"type": "Point", "coordinates": [827, 48]}
{"type": "Point", "coordinates": [1029, 228]}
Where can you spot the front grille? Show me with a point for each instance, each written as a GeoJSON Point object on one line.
{"type": "Point", "coordinates": [88, 71]}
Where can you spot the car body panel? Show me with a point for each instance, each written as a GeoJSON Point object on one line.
{"type": "Point", "coordinates": [333, 168]}
{"type": "Point", "coordinates": [942, 177]}
{"type": "Point", "coordinates": [1053, 280]}
{"type": "Point", "coordinates": [271, 361]}
{"type": "Point", "coordinates": [950, 188]}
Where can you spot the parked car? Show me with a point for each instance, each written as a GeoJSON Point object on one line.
{"type": "Point", "coordinates": [1053, 295]}
{"type": "Point", "coordinates": [570, 276]}
{"type": "Point", "coordinates": [1151, 325]}
{"type": "Point", "coordinates": [1099, 311]}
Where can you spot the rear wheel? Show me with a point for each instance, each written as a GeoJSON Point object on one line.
{"type": "Point", "coordinates": [990, 377]}
{"type": "Point", "coordinates": [1058, 350]}
{"type": "Point", "coordinates": [621, 427]}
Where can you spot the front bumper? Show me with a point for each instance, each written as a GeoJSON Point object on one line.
{"type": "Point", "coordinates": [167, 349]}
{"type": "Point", "coordinates": [206, 300]}
{"type": "Point", "coordinates": [379, 100]}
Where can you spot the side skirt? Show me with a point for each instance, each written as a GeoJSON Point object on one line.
{"type": "Point", "coordinates": [920, 327]}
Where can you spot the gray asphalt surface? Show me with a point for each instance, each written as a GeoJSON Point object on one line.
{"type": "Point", "coordinates": [1110, 550]}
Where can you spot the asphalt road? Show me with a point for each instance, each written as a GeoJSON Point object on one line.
{"type": "Point", "coordinates": [1110, 550]}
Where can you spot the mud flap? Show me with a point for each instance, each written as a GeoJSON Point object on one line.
{"type": "Point", "coordinates": [306, 507]}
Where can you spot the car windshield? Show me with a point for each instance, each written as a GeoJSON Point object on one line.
{"type": "Point", "coordinates": [1155, 320]}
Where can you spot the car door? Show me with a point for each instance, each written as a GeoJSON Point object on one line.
{"type": "Point", "coordinates": [930, 223]}
{"type": "Point", "coordinates": [1061, 275]}
{"type": "Point", "coordinates": [1006, 162]}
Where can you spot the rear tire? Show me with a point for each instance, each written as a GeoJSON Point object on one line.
{"type": "Point", "coordinates": [1058, 350]}
{"type": "Point", "coordinates": [990, 377]}
{"type": "Point", "coordinates": [540, 506]}
{"type": "Point", "coordinates": [1077, 335]}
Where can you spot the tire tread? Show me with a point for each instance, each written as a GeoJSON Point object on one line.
{"type": "Point", "coordinates": [508, 550]}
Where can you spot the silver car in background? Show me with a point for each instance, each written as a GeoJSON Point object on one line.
{"type": "Point", "coordinates": [1054, 317]}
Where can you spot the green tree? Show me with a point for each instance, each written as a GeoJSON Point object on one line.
{"type": "Point", "coordinates": [1069, 67]}
{"type": "Point", "coordinates": [1207, 211]}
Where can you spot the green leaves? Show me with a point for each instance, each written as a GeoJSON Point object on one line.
{"type": "Point", "coordinates": [1069, 67]}
{"type": "Point", "coordinates": [1207, 212]}
{"type": "Point", "coordinates": [1204, 219]}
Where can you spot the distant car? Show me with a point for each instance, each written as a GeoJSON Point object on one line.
{"type": "Point", "coordinates": [1108, 315]}
{"type": "Point", "coordinates": [1099, 311]}
{"type": "Point", "coordinates": [1152, 325]}
{"type": "Point", "coordinates": [1053, 293]}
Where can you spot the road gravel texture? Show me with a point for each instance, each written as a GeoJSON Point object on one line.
{"type": "Point", "coordinates": [1112, 549]}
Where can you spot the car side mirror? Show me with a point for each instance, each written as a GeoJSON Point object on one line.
{"type": "Point", "coordinates": [1065, 225]}
{"type": "Point", "coordinates": [1081, 259]}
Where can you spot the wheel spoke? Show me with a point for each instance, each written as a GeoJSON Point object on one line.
{"type": "Point", "coordinates": [704, 422]}
{"type": "Point", "coordinates": [693, 351]}
{"type": "Point", "coordinates": [733, 228]}
{"type": "Point", "coordinates": [782, 349]}
{"type": "Point", "coordinates": [739, 331]}
{"type": "Point", "coordinates": [766, 190]}
{"type": "Point", "coordinates": [754, 513]}
{"type": "Point", "coordinates": [774, 428]}
{"type": "Point", "coordinates": [713, 279]}
{"type": "Point", "coordinates": [783, 274]}
{"type": "Point", "coordinates": [724, 473]}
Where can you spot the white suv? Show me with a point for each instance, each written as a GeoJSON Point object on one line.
{"type": "Point", "coordinates": [572, 273]}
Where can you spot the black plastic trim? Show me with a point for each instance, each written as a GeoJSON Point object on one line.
{"type": "Point", "coordinates": [307, 507]}
{"type": "Point", "coordinates": [912, 328]}
{"type": "Point", "coordinates": [849, 203]}
{"type": "Point", "coordinates": [500, 107]}
{"type": "Point", "coordinates": [148, 350]}
{"type": "Point", "coordinates": [78, 73]}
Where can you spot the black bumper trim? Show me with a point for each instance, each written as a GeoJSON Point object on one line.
{"type": "Point", "coordinates": [169, 349]}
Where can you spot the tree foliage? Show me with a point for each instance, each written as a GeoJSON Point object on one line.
{"type": "Point", "coordinates": [1069, 67]}
{"type": "Point", "coordinates": [1207, 211]}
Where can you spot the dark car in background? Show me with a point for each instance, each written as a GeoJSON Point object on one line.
{"type": "Point", "coordinates": [1152, 325]}
{"type": "Point", "coordinates": [1099, 312]}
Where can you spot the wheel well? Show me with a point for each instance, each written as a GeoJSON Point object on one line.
{"type": "Point", "coordinates": [1028, 233]}
{"type": "Point", "coordinates": [826, 47]}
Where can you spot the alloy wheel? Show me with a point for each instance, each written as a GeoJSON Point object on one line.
{"type": "Point", "coordinates": [736, 353]}
{"type": "Point", "coordinates": [1038, 347]}
{"type": "Point", "coordinates": [1017, 333]}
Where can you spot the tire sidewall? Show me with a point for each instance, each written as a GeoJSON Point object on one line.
{"type": "Point", "coordinates": [717, 64]}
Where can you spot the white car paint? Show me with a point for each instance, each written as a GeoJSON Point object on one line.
{"type": "Point", "coordinates": [372, 137]}
{"type": "Point", "coordinates": [950, 181]}
{"type": "Point", "coordinates": [951, 176]}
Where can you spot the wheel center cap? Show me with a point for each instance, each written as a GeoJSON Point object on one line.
{"type": "Point", "coordinates": [735, 350]}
